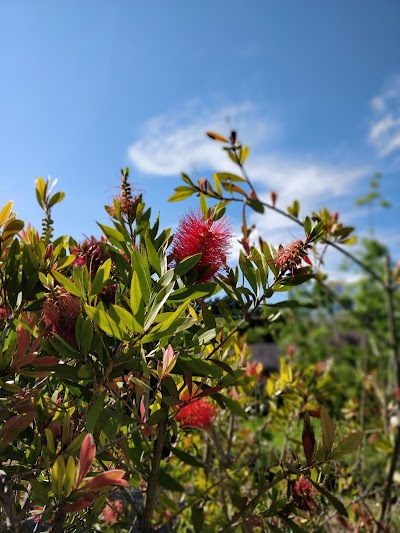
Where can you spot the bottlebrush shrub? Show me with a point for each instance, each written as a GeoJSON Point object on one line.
{"type": "Point", "coordinates": [101, 341]}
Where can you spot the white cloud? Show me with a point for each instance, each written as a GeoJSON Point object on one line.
{"type": "Point", "coordinates": [171, 143]}
{"type": "Point", "coordinates": [175, 142]}
{"type": "Point", "coordinates": [384, 132]}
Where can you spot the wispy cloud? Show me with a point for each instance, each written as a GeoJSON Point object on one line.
{"type": "Point", "coordinates": [171, 143]}
{"type": "Point", "coordinates": [384, 132]}
{"type": "Point", "coordinates": [174, 142]}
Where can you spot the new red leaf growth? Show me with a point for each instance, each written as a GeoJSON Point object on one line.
{"type": "Point", "coordinates": [308, 438]}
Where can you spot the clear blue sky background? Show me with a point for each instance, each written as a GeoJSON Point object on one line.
{"type": "Point", "coordinates": [89, 87]}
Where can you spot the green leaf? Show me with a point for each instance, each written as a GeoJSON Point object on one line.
{"type": "Point", "coordinates": [106, 323]}
{"type": "Point", "coordinates": [245, 154]}
{"type": "Point", "coordinates": [157, 304]}
{"type": "Point", "coordinates": [233, 157]}
{"type": "Point", "coordinates": [156, 417]}
{"type": "Point", "coordinates": [206, 336]}
{"type": "Point", "coordinates": [256, 205]}
{"type": "Point", "coordinates": [187, 264]}
{"type": "Point", "coordinates": [194, 292]}
{"type": "Point", "coordinates": [56, 198]}
{"type": "Point", "coordinates": [153, 255]}
{"type": "Point", "coordinates": [64, 349]}
{"type": "Point", "coordinates": [41, 187]}
{"type": "Point", "coordinates": [307, 225]}
{"type": "Point", "coordinates": [11, 228]}
{"type": "Point", "coordinates": [248, 270]}
{"type": "Point", "coordinates": [85, 336]}
{"type": "Point", "coordinates": [185, 457]}
{"type": "Point", "coordinates": [140, 266]}
{"type": "Point", "coordinates": [165, 279]}
{"type": "Point", "coordinates": [294, 209]}
{"type": "Point", "coordinates": [338, 505]}
{"type": "Point", "coordinates": [128, 319]}
{"type": "Point", "coordinates": [228, 176]}
{"type": "Point", "coordinates": [186, 179]}
{"type": "Point", "coordinates": [168, 482]}
{"type": "Point", "coordinates": [232, 405]}
{"type": "Point", "coordinates": [294, 528]}
{"type": "Point", "coordinates": [101, 277]}
{"type": "Point", "coordinates": [169, 322]}
{"type": "Point", "coordinates": [349, 444]}
{"type": "Point", "coordinates": [222, 365]}
{"type": "Point", "coordinates": [203, 205]}
{"type": "Point", "coordinates": [292, 304]}
{"type": "Point", "coordinates": [94, 412]}
{"type": "Point", "coordinates": [5, 212]}
{"type": "Point", "coordinates": [198, 367]}
{"type": "Point", "coordinates": [328, 431]}
{"type": "Point", "coordinates": [76, 443]}
{"type": "Point", "coordinates": [181, 193]}
{"type": "Point", "coordinates": [66, 283]}
{"type": "Point", "coordinates": [217, 184]}
{"type": "Point", "coordinates": [136, 301]}
{"type": "Point", "coordinates": [50, 440]}
{"type": "Point", "coordinates": [181, 324]}
{"type": "Point", "coordinates": [114, 236]}
{"type": "Point", "coordinates": [70, 475]}
{"type": "Point", "coordinates": [57, 477]}
{"type": "Point", "coordinates": [197, 518]}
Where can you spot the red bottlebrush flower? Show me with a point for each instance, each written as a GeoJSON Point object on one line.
{"type": "Point", "coordinates": [303, 494]}
{"type": "Point", "coordinates": [291, 256]}
{"type": "Point", "coordinates": [89, 253]}
{"type": "Point", "coordinates": [60, 313]}
{"type": "Point", "coordinates": [197, 234]}
{"type": "Point", "coordinates": [126, 206]}
{"type": "Point", "coordinates": [112, 511]}
{"type": "Point", "coordinates": [198, 413]}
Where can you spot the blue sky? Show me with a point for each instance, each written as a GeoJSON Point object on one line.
{"type": "Point", "coordinates": [89, 87]}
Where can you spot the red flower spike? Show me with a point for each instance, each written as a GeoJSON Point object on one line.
{"type": "Point", "coordinates": [199, 413]}
{"type": "Point", "coordinates": [291, 256]}
{"type": "Point", "coordinates": [89, 253]}
{"type": "Point", "coordinates": [302, 494]}
{"type": "Point", "coordinates": [60, 314]}
{"type": "Point", "coordinates": [88, 452]}
{"type": "Point", "coordinates": [197, 234]}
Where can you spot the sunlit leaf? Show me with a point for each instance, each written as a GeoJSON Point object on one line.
{"type": "Point", "coordinates": [328, 431]}
{"type": "Point", "coordinates": [106, 323]}
{"type": "Point", "coordinates": [101, 277]}
{"type": "Point", "coordinates": [66, 283]}
{"type": "Point", "coordinates": [349, 444]}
